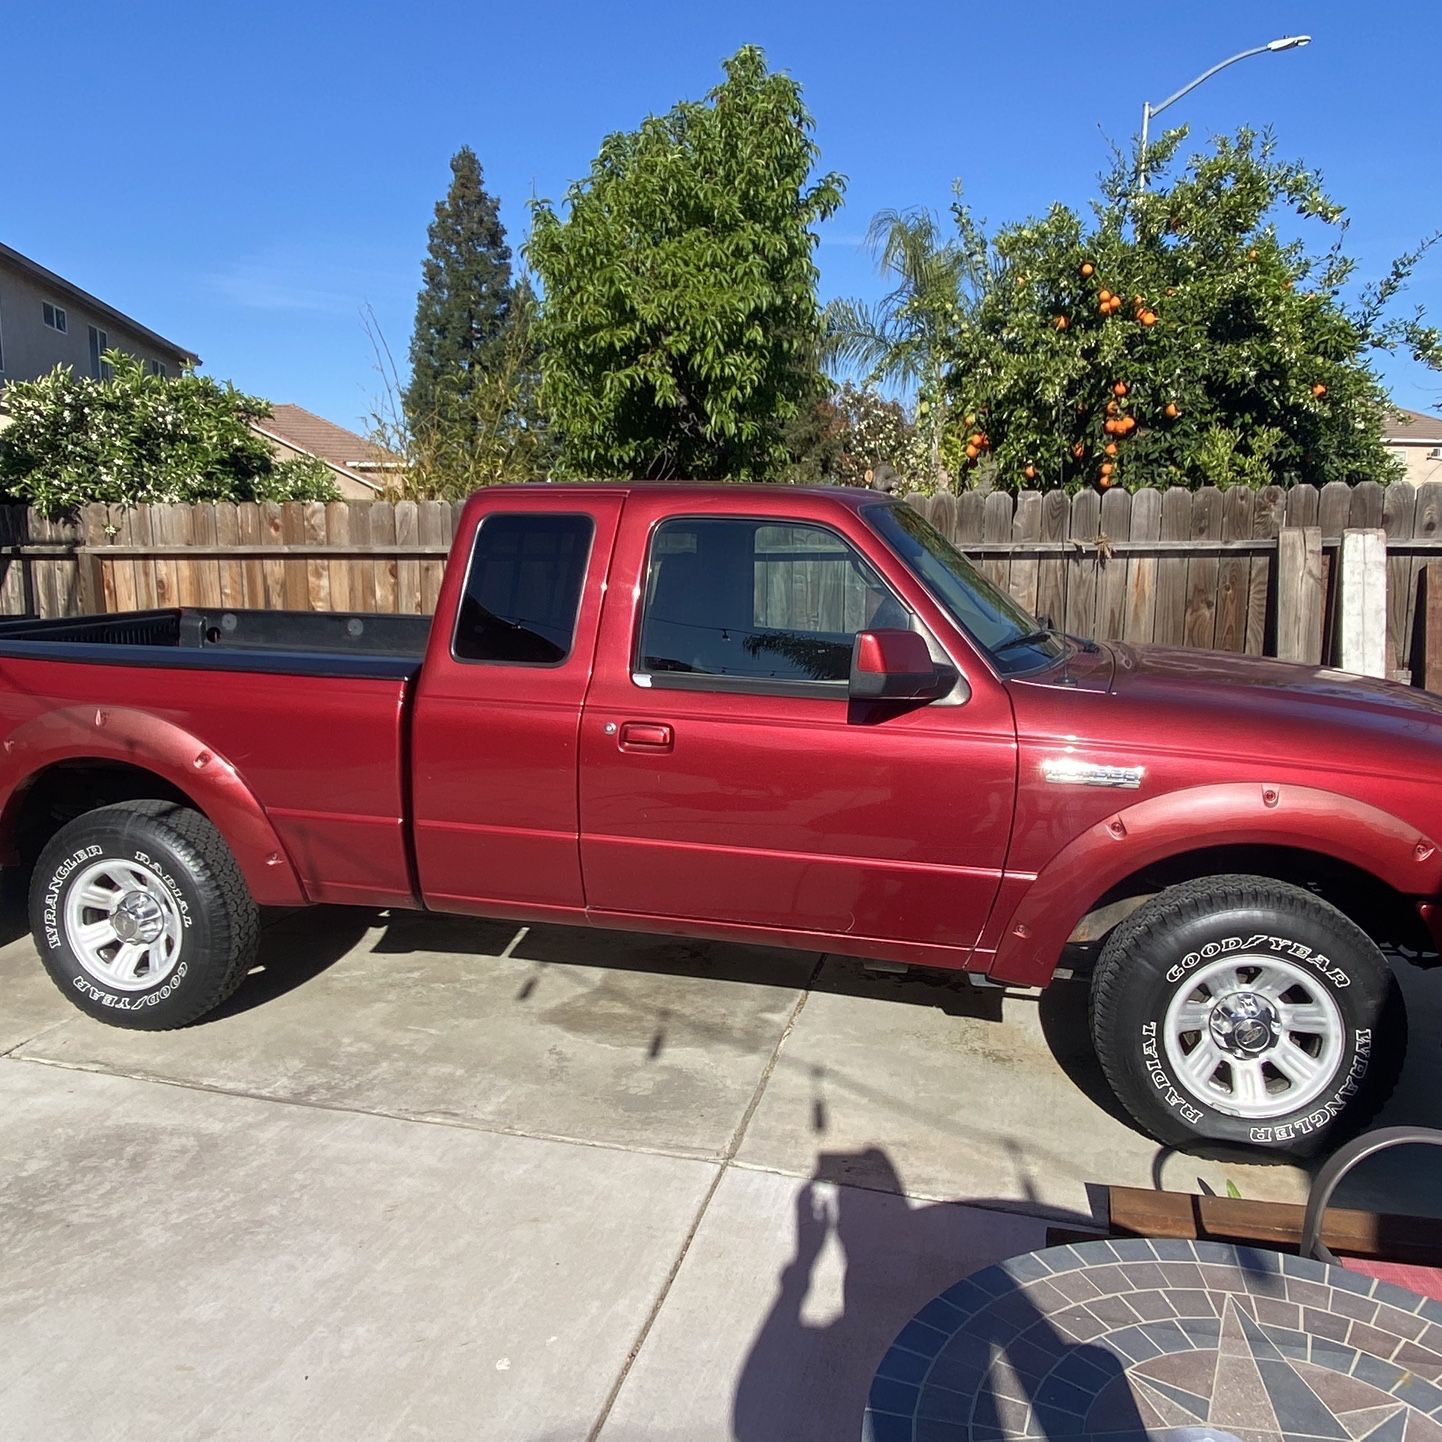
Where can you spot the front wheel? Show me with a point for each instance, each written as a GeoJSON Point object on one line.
{"type": "Point", "coordinates": [141, 915]}
{"type": "Point", "coordinates": [1238, 1010]}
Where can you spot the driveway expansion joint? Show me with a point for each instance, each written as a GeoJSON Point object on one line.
{"type": "Point", "coordinates": [724, 1163]}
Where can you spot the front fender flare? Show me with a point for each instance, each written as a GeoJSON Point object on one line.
{"type": "Point", "coordinates": [1163, 827]}
{"type": "Point", "coordinates": [150, 743]}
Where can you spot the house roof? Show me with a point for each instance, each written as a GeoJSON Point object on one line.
{"type": "Point", "coordinates": [59, 284]}
{"type": "Point", "coordinates": [309, 432]}
{"type": "Point", "coordinates": [1412, 428]}
{"type": "Point", "coordinates": [343, 450]}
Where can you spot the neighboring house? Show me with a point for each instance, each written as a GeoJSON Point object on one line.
{"type": "Point", "coordinates": [361, 468]}
{"type": "Point", "coordinates": [46, 321]}
{"type": "Point", "coordinates": [1417, 440]}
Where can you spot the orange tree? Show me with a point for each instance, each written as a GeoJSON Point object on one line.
{"type": "Point", "coordinates": [1177, 339]}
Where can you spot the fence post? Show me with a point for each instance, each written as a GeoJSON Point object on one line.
{"type": "Point", "coordinates": [1299, 594]}
{"type": "Point", "coordinates": [1362, 603]}
{"type": "Point", "coordinates": [91, 568]}
{"type": "Point", "coordinates": [1427, 628]}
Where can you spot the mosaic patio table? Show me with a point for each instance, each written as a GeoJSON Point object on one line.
{"type": "Point", "coordinates": [1131, 1339]}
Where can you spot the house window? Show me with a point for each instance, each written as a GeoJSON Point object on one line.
{"type": "Point", "coordinates": [99, 344]}
{"type": "Point", "coordinates": [55, 317]}
{"type": "Point", "coordinates": [157, 368]}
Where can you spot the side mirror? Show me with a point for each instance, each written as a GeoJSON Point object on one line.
{"type": "Point", "coordinates": [895, 666]}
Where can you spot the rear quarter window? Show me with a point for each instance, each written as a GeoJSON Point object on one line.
{"type": "Point", "coordinates": [523, 589]}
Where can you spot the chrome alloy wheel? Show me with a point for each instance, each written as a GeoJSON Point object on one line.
{"type": "Point", "coordinates": [123, 925]}
{"type": "Point", "coordinates": [1254, 1036]}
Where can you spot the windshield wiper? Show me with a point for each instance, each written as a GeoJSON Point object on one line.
{"type": "Point", "coordinates": [1027, 638]}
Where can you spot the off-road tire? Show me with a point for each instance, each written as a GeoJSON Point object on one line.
{"type": "Point", "coordinates": [1171, 962]}
{"type": "Point", "coordinates": [199, 890]}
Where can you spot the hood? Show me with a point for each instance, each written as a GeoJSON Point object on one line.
{"type": "Point", "coordinates": [1163, 673]}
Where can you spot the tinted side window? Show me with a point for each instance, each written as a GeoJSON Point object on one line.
{"type": "Point", "coordinates": [759, 600]}
{"type": "Point", "coordinates": [523, 589]}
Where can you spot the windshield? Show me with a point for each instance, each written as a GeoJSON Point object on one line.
{"type": "Point", "coordinates": [984, 611]}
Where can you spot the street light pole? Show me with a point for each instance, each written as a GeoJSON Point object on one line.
{"type": "Point", "coordinates": [1287, 42]}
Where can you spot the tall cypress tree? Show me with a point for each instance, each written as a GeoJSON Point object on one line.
{"type": "Point", "coordinates": [465, 299]}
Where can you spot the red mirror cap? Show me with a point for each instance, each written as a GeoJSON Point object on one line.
{"type": "Point", "coordinates": [892, 652]}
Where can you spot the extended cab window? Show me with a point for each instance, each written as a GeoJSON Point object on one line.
{"type": "Point", "coordinates": [523, 589]}
{"type": "Point", "coordinates": [757, 600]}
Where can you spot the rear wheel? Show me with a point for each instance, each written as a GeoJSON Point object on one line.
{"type": "Point", "coordinates": [141, 915]}
{"type": "Point", "coordinates": [1235, 1009]}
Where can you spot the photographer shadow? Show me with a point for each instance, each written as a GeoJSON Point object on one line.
{"type": "Point", "coordinates": [1008, 1372]}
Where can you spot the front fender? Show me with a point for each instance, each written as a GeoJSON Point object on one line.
{"type": "Point", "coordinates": [1163, 827]}
{"type": "Point", "coordinates": [150, 743]}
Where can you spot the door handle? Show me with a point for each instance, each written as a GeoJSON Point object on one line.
{"type": "Point", "coordinates": [646, 736]}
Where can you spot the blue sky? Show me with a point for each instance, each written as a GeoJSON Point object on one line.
{"type": "Point", "coordinates": [247, 179]}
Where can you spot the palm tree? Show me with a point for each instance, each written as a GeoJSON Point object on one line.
{"type": "Point", "coordinates": [907, 338]}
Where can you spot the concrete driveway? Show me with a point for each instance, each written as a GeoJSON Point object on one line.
{"type": "Point", "coordinates": [432, 1178]}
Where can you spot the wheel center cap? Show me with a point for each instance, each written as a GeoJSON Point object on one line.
{"type": "Point", "coordinates": [1244, 1023]}
{"type": "Point", "coordinates": [138, 918]}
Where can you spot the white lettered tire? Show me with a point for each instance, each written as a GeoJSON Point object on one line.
{"type": "Point", "coordinates": [1236, 1010]}
{"type": "Point", "coordinates": [142, 916]}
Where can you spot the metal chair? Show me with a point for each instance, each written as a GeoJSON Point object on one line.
{"type": "Point", "coordinates": [1427, 1280]}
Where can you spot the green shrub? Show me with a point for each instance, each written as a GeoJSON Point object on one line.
{"type": "Point", "coordinates": [132, 439]}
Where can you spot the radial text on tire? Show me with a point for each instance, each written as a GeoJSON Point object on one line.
{"type": "Point", "coordinates": [1237, 1010]}
{"type": "Point", "coordinates": [142, 916]}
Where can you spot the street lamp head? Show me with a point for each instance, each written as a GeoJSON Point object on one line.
{"type": "Point", "coordinates": [1289, 42]}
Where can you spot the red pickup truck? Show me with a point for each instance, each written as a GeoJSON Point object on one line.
{"type": "Point", "coordinates": [768, 714]}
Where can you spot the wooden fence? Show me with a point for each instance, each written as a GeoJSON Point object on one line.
{"type": "Point", "coordinates": [1190, 568]}
{"type": "Point", "coordinates": [1195, 568]}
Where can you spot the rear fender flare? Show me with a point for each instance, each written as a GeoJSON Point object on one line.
{"type": "Point", "coordinates": [1163, 827]}
{"type": "Point", "coordinates": [150, 743]}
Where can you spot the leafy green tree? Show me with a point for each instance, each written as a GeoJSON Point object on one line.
{"type": "Point", "coordinates": [679, 329]}
{"type": "Point", "coordinates": [135, 438]}
{"type": "Point", "coordinates": [1178, 339]}
{"type": "Point", "coordinates": [465, 301]}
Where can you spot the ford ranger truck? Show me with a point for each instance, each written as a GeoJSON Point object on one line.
{"type": "Point", "coordinates": [778, 715]}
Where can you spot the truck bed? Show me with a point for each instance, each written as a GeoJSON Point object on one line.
{"type": "Point", "coordinates": [325, 643]}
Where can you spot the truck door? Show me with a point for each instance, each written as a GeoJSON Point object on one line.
{"type": "Point", "coordinates": [725, 775]}
{"type": "Point", "coordinates": [494, 726]}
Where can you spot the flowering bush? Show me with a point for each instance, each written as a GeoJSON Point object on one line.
{"type": "Point", "coordinates": [134, 438]}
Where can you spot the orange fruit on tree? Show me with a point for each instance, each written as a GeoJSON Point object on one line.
{"type": "Point", "coordinates": [1119, 389]}
{"type": "Point", "coordinates": [1319, 390]}
{"type": "Point", "coordinates": [1079, 450]}
{"type": "Point", "coordinates": [1172, 411]}
{"type": "Point", "coordinates": [1029, 471]}
{"type": "Point", "coordinates": [1111, 408]}
{"type": "Point", "coordinates": [969, 421]}
{"type": "Point", "coordinates": [1111, 448]}
{"type": "Point", "coordinates": [1087, 269]}
{"type": "Point", "coordinates": [1059, 321]}
{"type": "Point", "coordinates": [1104, 295]}
{"type": "Point", "coordinates": [972, 453]}
{"type": "Point", "coordinates": [985, 441]}
{"type": "Point", "coordinates": [1148, 317]}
